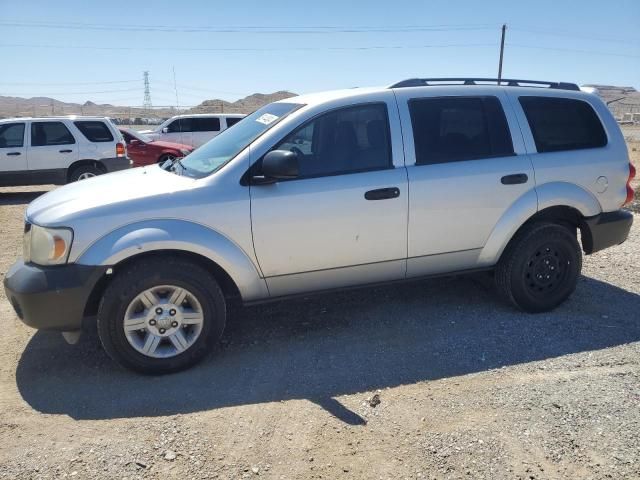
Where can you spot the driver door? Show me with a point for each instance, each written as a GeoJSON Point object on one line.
{"type": "Point", "coordinates": [343, 220]}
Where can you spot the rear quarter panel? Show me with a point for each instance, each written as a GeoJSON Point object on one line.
{"type": "Point", "coordinates": [581, 168]}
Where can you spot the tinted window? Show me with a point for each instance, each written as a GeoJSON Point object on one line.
{"type": "Point", "coordinates": [232, 121]}
{"type": "Point", "coordinates": [95, 131]}
{"type": "Point", "coordinates": [181, 125]}
{"type": "Point", "coordinates": [451, 129]}
{"type": "Point", "coordinates": [50, 133]}
{"type": "Point", "coordinates": [205, 124]}
{"type": "Point", "coordinates": [347, 140]}
{"type": "Point", "coordinates": [563, 124]}
{"type": "Point", "coordinates": [11, 135]}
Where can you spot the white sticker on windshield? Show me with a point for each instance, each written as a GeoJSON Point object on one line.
{"type": "Point", "coordinates": [267, 118]}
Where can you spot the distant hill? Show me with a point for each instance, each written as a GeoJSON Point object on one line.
{"type": "Point", "coordinates": [621, 100]}
{"type": "Point", "coordinates": [45, 106]}
{"type": "Point", "coordinates": [244, 105]}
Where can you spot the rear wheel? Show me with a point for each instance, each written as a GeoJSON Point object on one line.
{"type": "Point", "coordinates": [161, 316]}
{"type": "Point", "coordinates": [540, 268]}
{"type": "Point", "coordinates": [84, 172]}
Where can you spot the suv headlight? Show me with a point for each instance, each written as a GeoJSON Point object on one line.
{"type": "Point", "coordinates": [47, 246]}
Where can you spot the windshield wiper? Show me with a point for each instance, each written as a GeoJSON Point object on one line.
{"type": "Point", "coordinates": [178, 162]}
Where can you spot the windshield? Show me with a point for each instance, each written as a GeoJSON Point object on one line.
{"type": "Point", "coordinates": [136, 135]}
{"type": "Point", "coordinates": [218, 151]}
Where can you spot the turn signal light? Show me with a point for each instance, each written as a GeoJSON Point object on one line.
{"type": "Point", "coordinates": [630, 192]}
{"type": "Point", "coordinates": [120, 150]}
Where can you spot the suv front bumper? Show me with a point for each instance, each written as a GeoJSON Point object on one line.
{"type": "Point", "coordinates": [606, 230]}
{"type": "Point", "coordinates": [51, 298]}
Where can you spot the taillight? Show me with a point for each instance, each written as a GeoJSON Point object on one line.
{"type": "Point", "coordinates": [120, 150]}
{"type": "Point", "coordinates": [630, 192]}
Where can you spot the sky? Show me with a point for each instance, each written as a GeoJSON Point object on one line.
{"type": "Point", "coordinates": [96, 50]}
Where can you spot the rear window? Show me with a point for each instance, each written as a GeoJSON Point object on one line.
{"type": "Point", "coordinates": [232, 121]}
{"type": "Point", "coordinates": [560, 124]}
{"type": "Point", "coordinates": [94, 131]}
{"type": "Point", "coordinates": [455, 129]}
{"type": "Point", "coordinates": [205, 124]}
{"type": "Point", "coordinates": [50, 133]}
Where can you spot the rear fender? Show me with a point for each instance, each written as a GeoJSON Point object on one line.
{"type": "Point", "coordinates": [552, 194]}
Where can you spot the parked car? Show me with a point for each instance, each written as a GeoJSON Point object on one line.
{"type": "Point", "coordinates": [145, 151]}
{"type": "Point", "coordinates": [58, 150]}
{"type": "Point", "coordinates": [326, 191]}
{"type": "Point", "coordinates": [194, 130]}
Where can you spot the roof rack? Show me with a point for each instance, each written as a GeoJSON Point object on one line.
{"type": "Point", "coordinates": [426, 82]}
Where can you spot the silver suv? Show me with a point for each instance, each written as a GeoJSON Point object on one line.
{"type": "Point", "coordinates": [318, 192]}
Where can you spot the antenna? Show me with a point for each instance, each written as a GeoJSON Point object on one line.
{"type": "Point", "coordinates": [146, 103]}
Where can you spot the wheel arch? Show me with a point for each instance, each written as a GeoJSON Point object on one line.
{"type": "Point", "coordinates": [557, 202]}
{"type": "Point", "coordinates": [86, 161]}
{"type": "Point", "coordinates": [228, 263]}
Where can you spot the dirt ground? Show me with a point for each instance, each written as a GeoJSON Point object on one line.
{"type": "Point", "coordinates": [468, 387]}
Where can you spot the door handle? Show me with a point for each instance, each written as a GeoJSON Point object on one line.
{"type": "Point", "coordinates": [13, 154]}
{"type": "Point", "coordinates": [382, 193]}
{"type": "Point", "coordinates": [66, 151]}
{"type": "Point", "coordinates": [514, 179]}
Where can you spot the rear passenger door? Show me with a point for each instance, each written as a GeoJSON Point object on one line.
{"type": "Point", "coordinates": [204, 129]}
{"type": "Point", "coordinates": [13, 154]}
{"type": "Point", "coordinates": [52, 149]}
{"type": "Point", "coordinates": [464, 174]}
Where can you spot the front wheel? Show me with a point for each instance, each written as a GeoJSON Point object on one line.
{"type": "Point", "coordinates": [161, 316]}
{"type": "Point", "coordinates": [540, 268]}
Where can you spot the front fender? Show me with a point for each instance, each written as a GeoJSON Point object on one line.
{"type": "Point", "coordinates": [151, 235]}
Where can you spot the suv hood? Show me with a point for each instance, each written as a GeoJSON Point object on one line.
{"type": "Point", "coordinates": [105, 193]}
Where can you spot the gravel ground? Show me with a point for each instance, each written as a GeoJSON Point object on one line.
{"type": "Point", "coordinates": [467, 387]}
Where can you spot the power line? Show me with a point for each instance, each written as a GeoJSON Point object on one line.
{"type": "Point", "coordinates": [70, 83]}
{"type": "Point", "coordinates": [248, 29]}
{"type": "Point", "coordinates": [583, 36]}
{"type": "Point", "coordinates": [76, 93]}
{"type": "Point", "coordinates": [575, 50]}
{"type": "Point", "coordinates": [256, 49]}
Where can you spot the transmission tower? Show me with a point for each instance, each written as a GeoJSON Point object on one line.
{"type": "Point", "coordinates": [146, 103]}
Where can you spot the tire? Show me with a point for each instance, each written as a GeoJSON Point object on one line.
{"type": "Point", "coordinates": [122, 305]}
{"type": "Point", "coordinates": [540, 267]}
{"type": "Point", "coordinates": [83, 172]}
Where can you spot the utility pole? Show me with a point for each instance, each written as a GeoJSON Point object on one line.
{"type": "Point", "coordinates": [175, 87]}
{"type": "Point", "coordinates": [504, 29]}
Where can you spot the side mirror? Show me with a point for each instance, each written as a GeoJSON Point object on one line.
{"type": "Point", "coordinates": [165, 130]}
{"type": "Point", "coordinates": [280, 165]}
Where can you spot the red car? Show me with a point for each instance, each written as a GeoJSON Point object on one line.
{"type": "Point", "coordinates": [145, 151]}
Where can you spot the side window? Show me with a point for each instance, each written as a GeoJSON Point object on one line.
{"type": "Point", "coordinates": [455, 129]}
{"type": "Point", "coordinates": [205, 124]}
{"type": "Point", "coordinates": [180, 125]}
{"type": "Point", "coordinates": [50, 133]}
{"type": "Point", "coordinates": [559, 124]}
{"type": "Point", "coordinates": [347, 140]}
{"type": "Point", "coordinates": [94, 131]}
{"type": "Point", "coordinates": [231, 121]}
{"type": "Point", "coordinates": [12, 135]}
